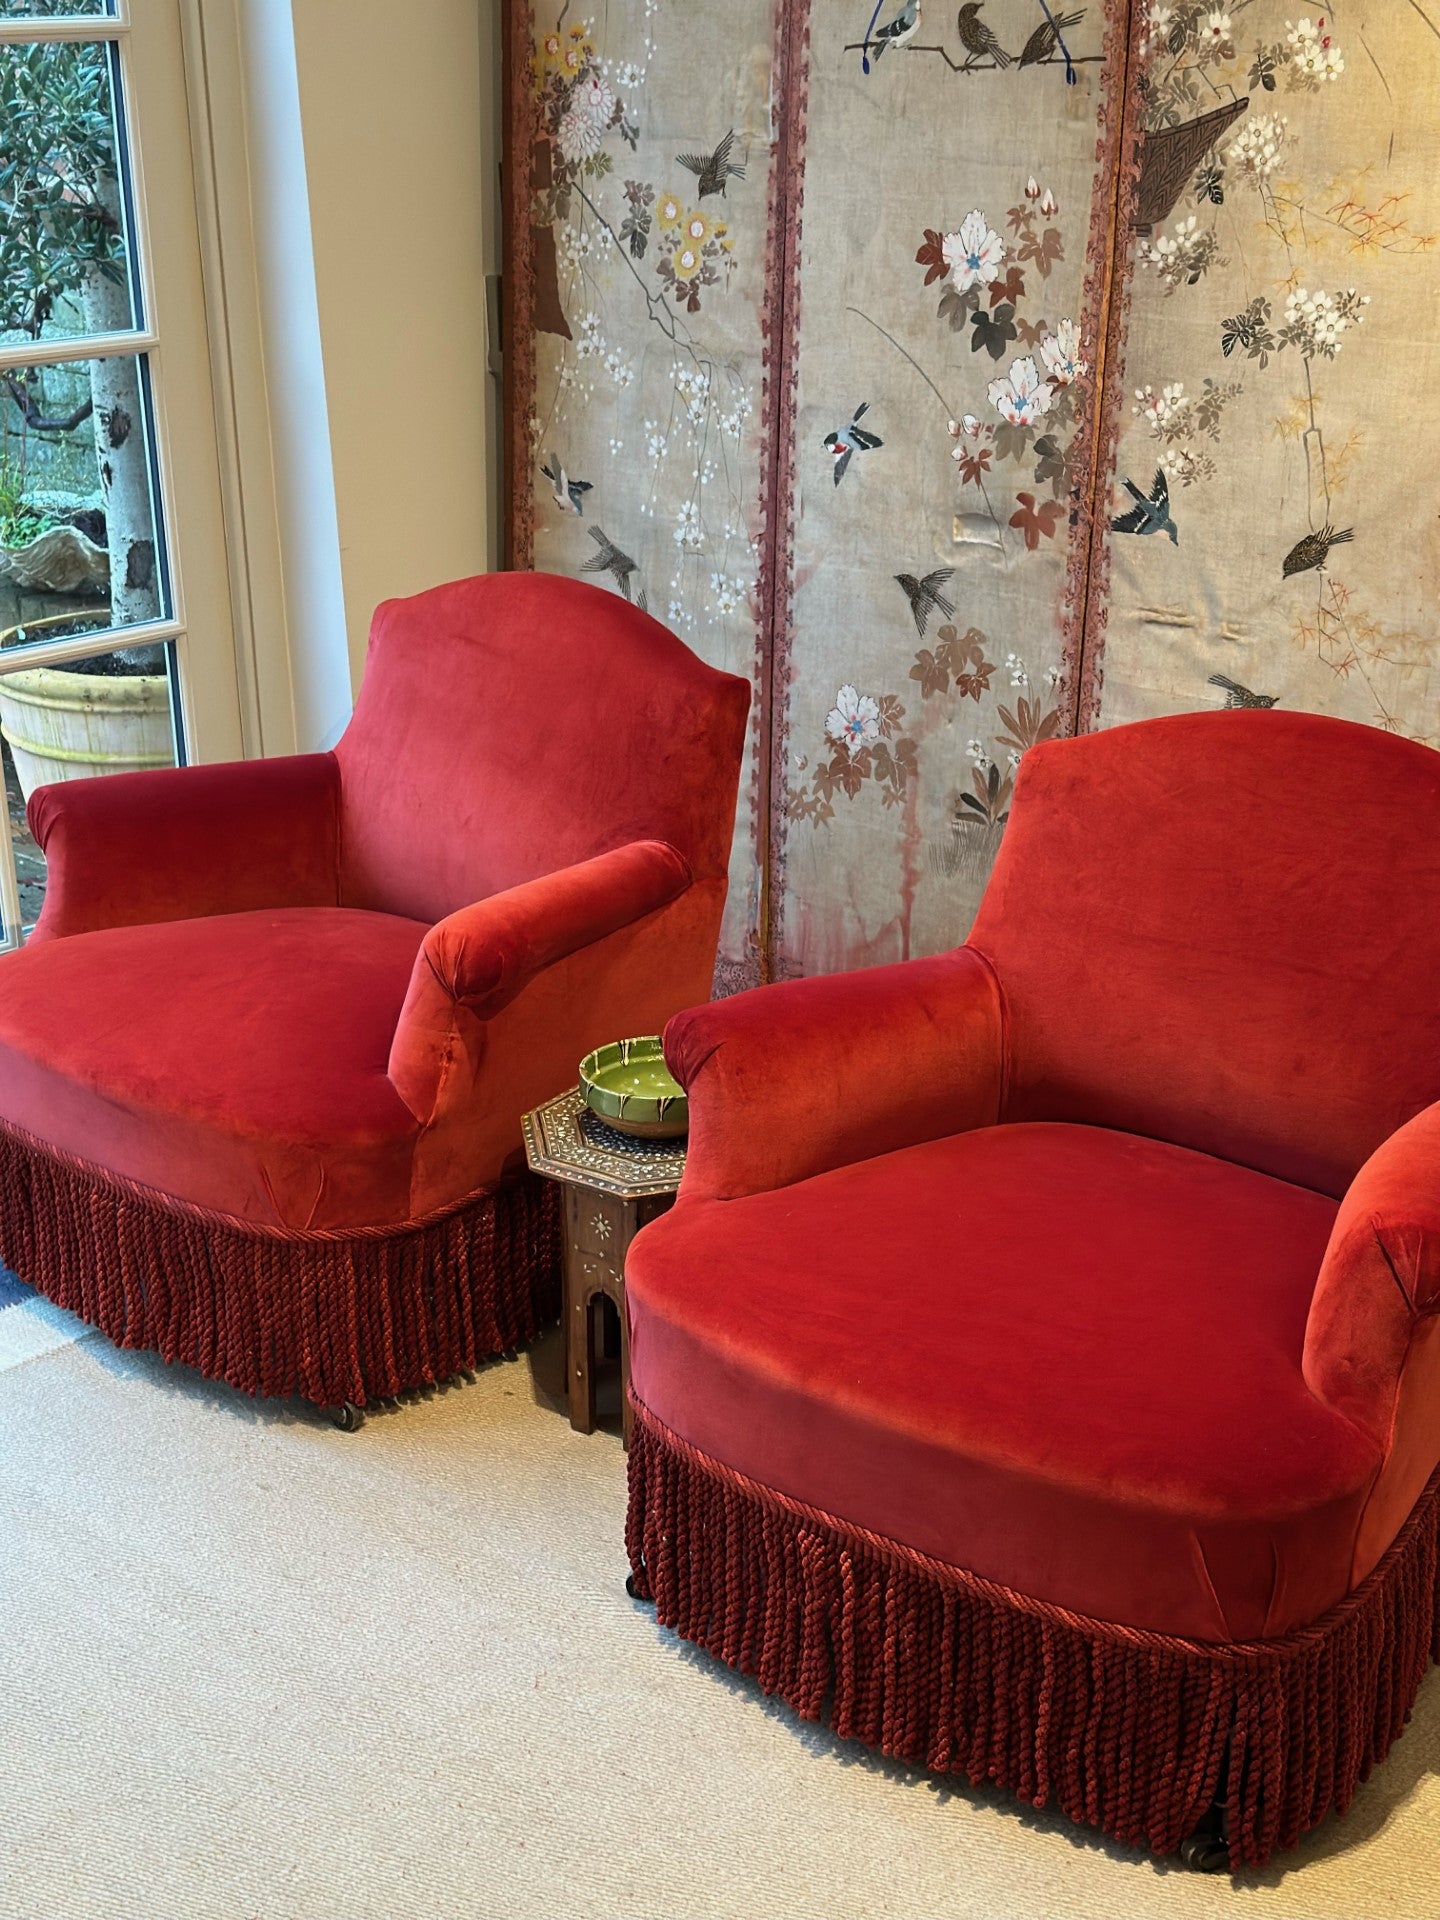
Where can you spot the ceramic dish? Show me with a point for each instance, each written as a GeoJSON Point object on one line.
{"type": "Point", "coordinates": [631, 1088]}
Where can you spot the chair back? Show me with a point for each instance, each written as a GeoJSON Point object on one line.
{"type": "Point", "coordinates": [513, 724]}
{"type": "Point", "coordinates": [1223, 930]}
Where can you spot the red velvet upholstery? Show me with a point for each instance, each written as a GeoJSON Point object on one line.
{"type": "Point", "coordinates": [1120, 1351]}
{"type": "Point", "coordinates": [316, 994]}
{"type": "Point", "coordinates": [1220, 929]}
{"type": "Point", "coordinates": [1064, 1358]}
{"type": "Point", "coordinates": [259, 1088]}
{"type": "Point", "coordinates": [521, 723]}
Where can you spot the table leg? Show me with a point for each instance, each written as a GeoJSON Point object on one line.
{"type": "Point", "coordinates": [579, 1373]}
{"type": "Point", "coordinates": [626, 1413]}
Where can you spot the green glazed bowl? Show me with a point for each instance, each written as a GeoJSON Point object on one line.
{"type": "Point", "coordinates": [629, 1086]}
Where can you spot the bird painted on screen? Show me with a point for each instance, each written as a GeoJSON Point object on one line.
{"type": "Point", "coordinates": [1151, 512]}
{"type": "Point", "coordinates": [979, 42]}
{"type": "Point", "coordinates": [1043, 41]}
{"type": "Point", "coordinates": [1314, 550]}
{"type": "Point", "coordinates": [925, 596]}
{"type": "Point", "coordinates": [903, 26]}
{"type": "Point", "coordinates": [845, 442]}
{"type": "Point", "coordinates": [569, 494]}
{"type": "Point", "coordinates": [610, 559]}
{"type": "Point", "coordinates": [713, 169]}
{"type": "Point", "coordinates": [1238, 696]}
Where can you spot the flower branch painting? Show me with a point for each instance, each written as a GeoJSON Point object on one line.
{"type": "Point", "coordinates": [1282, 210]}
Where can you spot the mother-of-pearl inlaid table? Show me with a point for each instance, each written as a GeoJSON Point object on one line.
{"type": "Point", "coordinates": [613, 1184]}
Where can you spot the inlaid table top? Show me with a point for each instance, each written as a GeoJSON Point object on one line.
{"type": "Point", "coordinates": [565, 1141]}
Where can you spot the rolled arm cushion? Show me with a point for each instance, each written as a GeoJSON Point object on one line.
{"type": "Point", "coordinates": [186, 842]}
{"type": "Point", "coordinates": [476, 961]}
{"type": "Point", "coordinates": [1372, 1339]}
{"type": "Point", "coordinates": [788, 1081]}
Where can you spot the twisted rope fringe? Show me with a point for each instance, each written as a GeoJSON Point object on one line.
{"type": "Point", "coordinates": [1128, 1731]}
{"type": "Point", "coordinates": [331, 1316]}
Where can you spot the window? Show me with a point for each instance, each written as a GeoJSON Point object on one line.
{"type": "Point", "coordinates": [109, 492]}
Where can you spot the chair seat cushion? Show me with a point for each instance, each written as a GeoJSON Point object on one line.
{"type": "Point", "coordinates": [1063, 1358]}
{"type": "Point", "coordinates": [237, 1062]}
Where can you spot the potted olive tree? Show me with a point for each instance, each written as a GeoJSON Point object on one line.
{"type": "Point", "coordinates": [62, 255]}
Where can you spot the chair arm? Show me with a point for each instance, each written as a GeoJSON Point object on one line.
{"type": "Point", "coordinates": [1379, 1282]}
{"type": "Point", "coordinates": [188, 841]}
{"type": "Point", "coordinates": [787, 1081]}
{"type": "Point", "coordinates": [482, 957]}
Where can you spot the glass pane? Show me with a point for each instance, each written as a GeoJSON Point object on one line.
{"type": "Point", "coordinates": [108, 714]}
{"type": "Point", "coordinates": [80, 545]}
{"type": "Point", "coordinates": [65, 267]}
{"type": "Point", "coordinates": [50, 9]}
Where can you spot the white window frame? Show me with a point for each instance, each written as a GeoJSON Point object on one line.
{"type": "Point", "coordinates": [165, 250]}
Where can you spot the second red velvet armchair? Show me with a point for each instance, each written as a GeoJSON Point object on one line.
{"type": "Point", "coordinates": [263, 1062]}
{"type": "Point", "coordinates": [1039, 1375]}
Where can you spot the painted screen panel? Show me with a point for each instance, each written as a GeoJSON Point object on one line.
{"type": "Point", "coordinates": [946, 284]}
{"type": "Point", "coordinates": [636, 370]}
{"type": "Point", "coordinates": [1276, 536]}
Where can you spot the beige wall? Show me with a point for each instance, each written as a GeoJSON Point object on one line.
{"type": "Point", "coordinates": [399, 107]}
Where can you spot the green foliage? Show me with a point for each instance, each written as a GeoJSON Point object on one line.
{"type": "Point", "coordinates": [19, 522]}
{"type": "Point", "coordinates": [57, 165]}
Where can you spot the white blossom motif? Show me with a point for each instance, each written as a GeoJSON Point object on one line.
{"type": "Point", "coordinates": [1217, 31]}
{"type": "Point", "coordinates": [1158, 24]}
{"type": "Point", "coordinates": [1259, 146]}
{"type": "Point", "coordinates": [1314, 322]}
{"type": "Point", "coordinates": [1060, 351]}
{"type": "Point", "coordinates": [1182, 255]}
{"type": "Point", "coordinates": [854, 720]}
{"type": "Point", "coordinates": [1315, 56]}
{"type": "Point", "coordinates": [727, 596]}
{"type": "Point", "coordinates": [1166, 412]}
{"type": "Point", "coordinates": [1022, 396]}
{"type": "Point", "coordinates": [577, 136]}
{"type": "Point", "coordinates": [594, 98]}
{"type": "Point", "coordinates": [973, 254]}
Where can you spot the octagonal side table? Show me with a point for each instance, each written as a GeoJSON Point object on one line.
{"type": "Point", "coordinates": [613, 1185]}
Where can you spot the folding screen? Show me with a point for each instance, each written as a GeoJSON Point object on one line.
{"type": "Point", "coordinates": [1281, 370]}
{"type": "Point", "coordinates": [965, 376]}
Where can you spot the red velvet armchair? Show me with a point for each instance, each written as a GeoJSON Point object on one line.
{"type": "Point", "coordinates": [1039, 1375]}
{"type": "Point", "coordinates": [263, 1062]}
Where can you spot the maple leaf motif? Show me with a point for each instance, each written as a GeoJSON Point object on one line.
{"type": "Point", "coordinates": [1011, 442]}
{"type": "Point", "coordinates": [955, 306]}
{"type": "Point", "coordinates": [931, 256]}
{"type": "Point", "coordinates": [1044, 252]}
{"type": "Point", "coordinates": [1037, 520]}
{"type": "Point", "coordinates": [975, 681]}
{"type": "Point", "coordinates": [1011, 288]}
{"type": "Point", "coordinates": [993, 330]}
{"type": "Point", "coordinates": [973, 465]}
{"type": "Point", "coordinates": [1052, 464]}
{"type": "Point", "coordinates": [930, 672]}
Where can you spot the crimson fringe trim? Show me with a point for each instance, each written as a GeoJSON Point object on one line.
{"type": "Point", "coordinates": [332, 1316]}
{"type": "Point", "coordinates": [1135, 1733]}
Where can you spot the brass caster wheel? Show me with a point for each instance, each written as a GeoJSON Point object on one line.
{"type": "Point", "coordinates": [635, 1593]}
{"type": "Point", "coordinates": [347, 1416]}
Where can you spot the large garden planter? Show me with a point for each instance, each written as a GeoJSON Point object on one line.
{"type": "Point", "coordinates": [61, 725]}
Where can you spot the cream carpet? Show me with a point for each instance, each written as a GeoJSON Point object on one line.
{"type": "Point", "coordinates": [252, 1668]}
